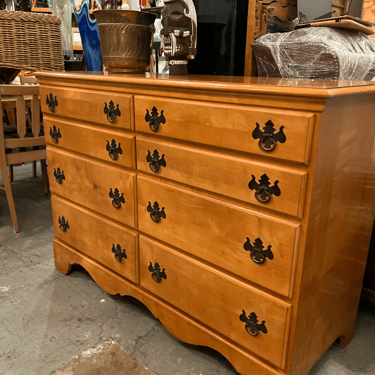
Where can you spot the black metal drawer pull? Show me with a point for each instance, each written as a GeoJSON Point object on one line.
{"type": "Point", "coordinates": [117, 199]}
{"type": "Point", "coordinates": [113, 149]}
{"type": "Point", "coordinates": [155, 162]}
{"type": "Point", "coordinates": [119, 253]}
{"type": "Point", "coordinates": [51, 102]}
{"type": "Point", "coordinates": [59, 175]}
{"type": "Point", "coordinates": [257, 253]}
{"type": "Point", "coordinates": [263, 190]}
{"type": "Point", "coordinates": [154, 120]}
{"type": "Point", "coordinates": [157, 274]}
{"type": "Point", "coordinates": [111, 111]}
{"type": "Point", "coordinates": [155, 214]}
{"type": "Point", "coordinates": [252, 324]}
{"type": "Point", "coordinates": [267, 137]}
{"type": "Point", "coordinates": [63, 224]}
{"type": "Point", "coordinates": [55, 134]}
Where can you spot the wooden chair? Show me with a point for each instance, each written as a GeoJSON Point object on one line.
{"type": "Point", "coordinates": [24, 146]}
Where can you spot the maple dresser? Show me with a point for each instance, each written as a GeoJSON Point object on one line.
{"type": "Point", "coordinates": [237, 210]}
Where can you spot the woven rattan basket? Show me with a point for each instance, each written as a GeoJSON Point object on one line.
{"type": "Point", "coordinates": [30, 41]}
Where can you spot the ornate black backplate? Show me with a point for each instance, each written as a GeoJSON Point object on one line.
{"type": "Point", "coordinates": [154, 120]}
{"type": "Point", "coordinates": [263, 190]}
{"type": "Point", "coordinates": [257, 252]}
{"type": "Point", "coordinates": [113, 149]}
{"type": "Point", "coordinates": [51, 102]}
{"type": "Point", "coordinates": [59, 175]}
{"type": "Point", "coordinates": [111, 111]}
{"type": "Point", "coordinates": [119, 253]}
{"type": "Point", "coordinates": [157, 273]}
{"type": "Point", "coordinates": [117, 199]}
{"type": "Point", "coordinates": [155, 213]}
{"type": "Point", "coordinates": [252, 324]}
{"type": "Point", "coordinates": [55, 134]}
{"type": "Point", "coordinates": [155, 162]}
{"type": "Point", "coordinates": [63, 224]}
{"type": "Point", "coordinates": [268, 138]}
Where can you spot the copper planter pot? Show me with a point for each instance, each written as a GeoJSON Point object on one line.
{"type": "Point", "coordinates": [125, 39]}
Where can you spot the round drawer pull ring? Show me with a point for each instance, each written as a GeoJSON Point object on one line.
{"type": "Point", "coordinates": [63, 224]}
{"type": "Point", "coordinates": [119, 253]}
{"type": "Point", "coordinates": [59, 175]}
{"type": "Point", "coordinates": [117, 199]}
{"type": "Point", "coordinates": [154, 120]}
{"type": "Point", "coordinates": [51, 102]}
{"type": "Point", "coordinates": [55, 134]}
{"type": "Point", "coordinates": [111, 111]}
{"type": "Point", "coordinates": [267, 137]}
{"type": "Point", "coordinates": [155, 213]}
{"type": "Point", "coordinates": [155, 162]}
{"type": "Point", "coordinates": [113, 149]}
{"type": "Point", "coordinates": [252, 324]}
{"type": "Point", "coordinates": [263, 190]}
{"type": "Point", "coordinates": [257, 254]}
{"type": "Point", "coordinates": [157, 273]}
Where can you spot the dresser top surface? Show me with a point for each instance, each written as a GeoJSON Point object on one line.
{"type": "Point", "coordinates": [303, 87]}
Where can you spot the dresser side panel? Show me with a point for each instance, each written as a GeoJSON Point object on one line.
{"type": "Point", "coordinates": [340, 218]}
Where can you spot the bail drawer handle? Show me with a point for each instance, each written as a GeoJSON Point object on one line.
{"type": "Point", "coordinates": [155, 162]}
{"type": "Point", "coordinates": [257, 253]}
{"type": "Point", "coordinates": [156, 273]}
{"type": "Point", "coordinates": [51, 102]}
{"type": "Point", "coordinates": [59, 175]}
{"type": "Point", "coordinates": [111, 111]}
{"type": "Point", "coordinates": [63, 224]}
{"type": "Point", "coordinates": [268, 138]}
{"type": "Point", "coordinates": [263, 190]}
{"type": "Point", "coordinates": [113, 149]}
{"type": "Point", "coordinates": [154, 120]}
{"type": "Point", "coordinates": [252, 324]}
{"type": "Point", "coordinates": [55, 134]}
{"type": "Point", "coordinates": [117, 199]}
{"type": "Point", "coordinates": [155, 213]}
{"type": "Point", "coordinates": [119, 253]}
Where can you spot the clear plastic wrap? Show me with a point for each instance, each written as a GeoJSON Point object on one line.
{"type": "Point", "coordinates": [316, 53]}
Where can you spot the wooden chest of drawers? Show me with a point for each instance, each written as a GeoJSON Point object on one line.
{"type": "Point", "coordinates": [239, 211]}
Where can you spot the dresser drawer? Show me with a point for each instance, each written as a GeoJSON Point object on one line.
{"type": "Point", "coordinates": [101, 107]}
{"type": "Point", "coordinates": [256, 247]}
{"type": "Point", "coordinates": [278, 188]}
{"type": "Point", "coordinates": [108, 243]}
{"type": "Point", "coordinates": [108, 145]}
{"type": "Point", "coordinates": [100, 187]}
{"type": "Point", "coordinates": [228, 126]}
{"type": "Point", "coordinates": [216, 300]}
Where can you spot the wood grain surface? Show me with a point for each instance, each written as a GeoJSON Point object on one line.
{"type": "Point", "coordinates": [220, 232]}
{"type": "Point", "coordinates": [88, 183]}
{"type": "Point", "coordinates": [91, 140]}
{"type": "Point", "coordinates": [95, 237]}
{"type": "Point", "coordinates": [228, 126]}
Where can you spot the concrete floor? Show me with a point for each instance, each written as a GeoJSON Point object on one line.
{"type": "Point", "coordinates": [46, 318]}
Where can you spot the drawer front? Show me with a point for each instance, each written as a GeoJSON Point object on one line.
{"type": "Point", "coordinates": [256, 247]}
{"type": "Point", "coordinates": [102, 188]}
{"type": "Point", "coordinates": [116, 147]}
{"type": "Point", "coordinates": [101, 107]}
{"type": "Point", "coordinates": [108, 243]}
{"type": "Point", "coordinates": [262, 184]}
{"type": "Point", "coordinates": [216, 300]}
{"type": "Point", "coordinates": [287, 134]}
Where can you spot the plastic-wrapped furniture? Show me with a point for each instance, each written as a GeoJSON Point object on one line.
{"type": "Point", "coordinates": [316, 53]}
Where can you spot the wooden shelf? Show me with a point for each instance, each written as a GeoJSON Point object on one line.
{"type": "Point", "coordinates": [77, 48]}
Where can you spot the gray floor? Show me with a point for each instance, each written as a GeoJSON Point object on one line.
{"type": "Point", "coordinates": [46, 318]}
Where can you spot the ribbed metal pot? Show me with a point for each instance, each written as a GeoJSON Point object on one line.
{"type": "Point", "coordinates": [125, 39]}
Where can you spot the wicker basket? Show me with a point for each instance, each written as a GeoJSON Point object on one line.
{"type": "Point", "coordinates": [30, 41]}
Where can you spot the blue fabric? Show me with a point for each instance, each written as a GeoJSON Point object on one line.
{"type": "Point", "coordinates": [90, 37]}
